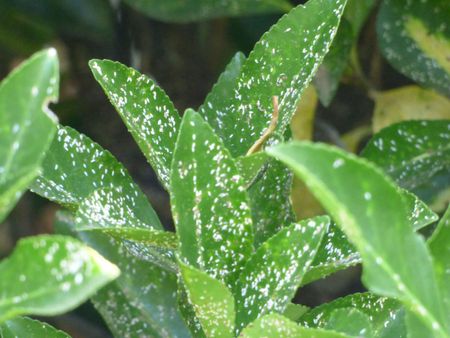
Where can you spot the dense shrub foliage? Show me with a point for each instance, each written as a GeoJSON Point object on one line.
{"type": "Point", "coordinates": [240, 253]}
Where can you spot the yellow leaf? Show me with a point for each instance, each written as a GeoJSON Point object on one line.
{"type": "Point", "coordinates": [408, 103]}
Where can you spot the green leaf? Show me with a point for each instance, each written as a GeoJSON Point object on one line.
{"type": "Point", "coordinates": [335, 253]}
{"type": "Point", "coordinates": [295, 311]}
{"type": "Point", "coordinates": [282, 64]}
{"type": "Point", "coordinates": [419, 214]}
{"type": "Point", "coordinates": [49, 275]}
{"type": "Point", "coordinates": [415, 38]}
{"type": "Point", "coordinates": [143, 300]}
{"type": "Point", "coordinates": [213, 303]}
{"type": "Point", "coordinates": [193, 10]}
{"type": "Point", "coordinates": [276, 326]}
{"type": "Point", "coordinates": [334, 64]}
{"type": "Point", "coordinates": [125, 313]}
{"type": "Point", "coordinates": [356, 13]}
{"type": "Point", "coordinates": [75, 167]}
{"type": "Point", "coordinates": [275, 271]}
{"type": "Point", "coordinates": [395, 259]}
{"type": "Point", "coordinates": [351, 322]}
{"type": "Point", "coordinates": [147, 236]}
{"type": "Point", "coordinates": [188, 312]}
{"type": "Point", "coordinates": [269, 201]}
{"type": "Point", "coordinates": [27, 126]}
{"type": "Point", "coordinates": [209, 203]}
{"type": "Point", "coordinates": [30, 328]}
{"type": "Point", "coordinates": [386, 315]}
{"type": "Point", "coordinates": [146, 110]}
{"type": "Point", "coordinates": [105, 213]}
{"type": "Point", "coordinates": [413, 153]}
{"type": "Point", "coordinates": [439, 245]}
{"type": "Point", "coordinates": [252, 167]}
{"type": "Point", "coordinates": [223, 87]}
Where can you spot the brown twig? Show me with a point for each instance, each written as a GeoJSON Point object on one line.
{"type": "Point", "coordinates": [270, 129]}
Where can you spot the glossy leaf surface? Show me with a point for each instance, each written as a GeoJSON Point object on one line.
{"type": "Point", "coordinates": [276, 326]}
{"type": "Point", "coordinates": [415, 38]}
{"type": "Point", "coordinates": [413, 153]}
{"type": "Point", "coordinates": [49, 275]}
{"type": "Point", "coordinates": [209, 203]}
{"type": "Point", "coordinates": [30, 328]}
{"type": "Point", "coordinates": [27, 126]}
{"type": "Point", "coordinates": [146, 110]}
{"type": "Point", "coordinates": [386, 315]}
{"type": "Point", "coordinates": [76, 167]}
{"type": "Point", "coordinates": [212, 301]}
{"type": "Point", "coordinates": [395, 259]}
{"type": "Point", "coordinates": [439, 245]}
{"type": "Point", "coordinates": [275, 271]}
{"type": "Point", "coordinates": [282, 64]}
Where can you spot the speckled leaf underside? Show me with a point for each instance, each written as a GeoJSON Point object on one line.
{"type": "Point", "coordinates": [26, 125]}
{"type": "Point", "coordinates": [416, 154]}
{"type": "Point", "coordinates": [274, 272]}
{"type": "Point", "coordinates": [415, 38]}
{"type": "Point", "coordinates": [281, 64]}
{"type": "Point", "coordinates": [395, 259]}
{"type": "Point", "coordinates": [146, 110]}
{"type": "Point", "coordinates": [193, 10]}
{"type": "Point", "coordinates": [56, 274]}
{"type": "Point", "coordinates": [209, 203]}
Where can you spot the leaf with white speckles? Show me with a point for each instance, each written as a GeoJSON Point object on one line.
{"type": "Point", "coordinates": [396, 261]}
{"type": "Point", "coordinates": [415, 38]}
{"type": "Point", "coordinates": [223, 88]}
{"type": "Point", "coordinates": [27, 126]}
{"type": "Point", "coordinates": [75, 167]}
{"type": "Point", "coordinates": [416, 154]}
{"type": "Point", "coordinates": [188, 312]}
{"type": "Point", "coordinates": [282, 64]}
{"type": "Point", "coordinates": [143, 300]}
{"type": "Point", "coordinates": [330, 71]}
{"type": "Point", "coordinates": [49, 275]}
{"type": "Point", "coordinates": [193, 10]}
{"type": "Point", "coordinates": [419, 214]}
{"type": "Point", "coordinates": [275, 271]}
{"type": "Point", "coordinates": [337, 253]}
{"type": "Point", "coordinates": [212, 301]}
{"type": "Point", "coordinates": [439, 245]}
{"type": "Point", "coordinates": [30, 328]}
{"type": "Point", "coordinates": [270, 202]}
{"type": "Point", "coordinates": [386, 315]}
{"type": "Point", "coordinates": [275, 326]}
{"type": "Point", "coordinates": [252, 166]}
{"type": "Point", "coordinates": [350, 321]}
{"type": "Point", "coordinates": [209, 203]}
{"type": "Point", "coordinates": [146, 110]}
